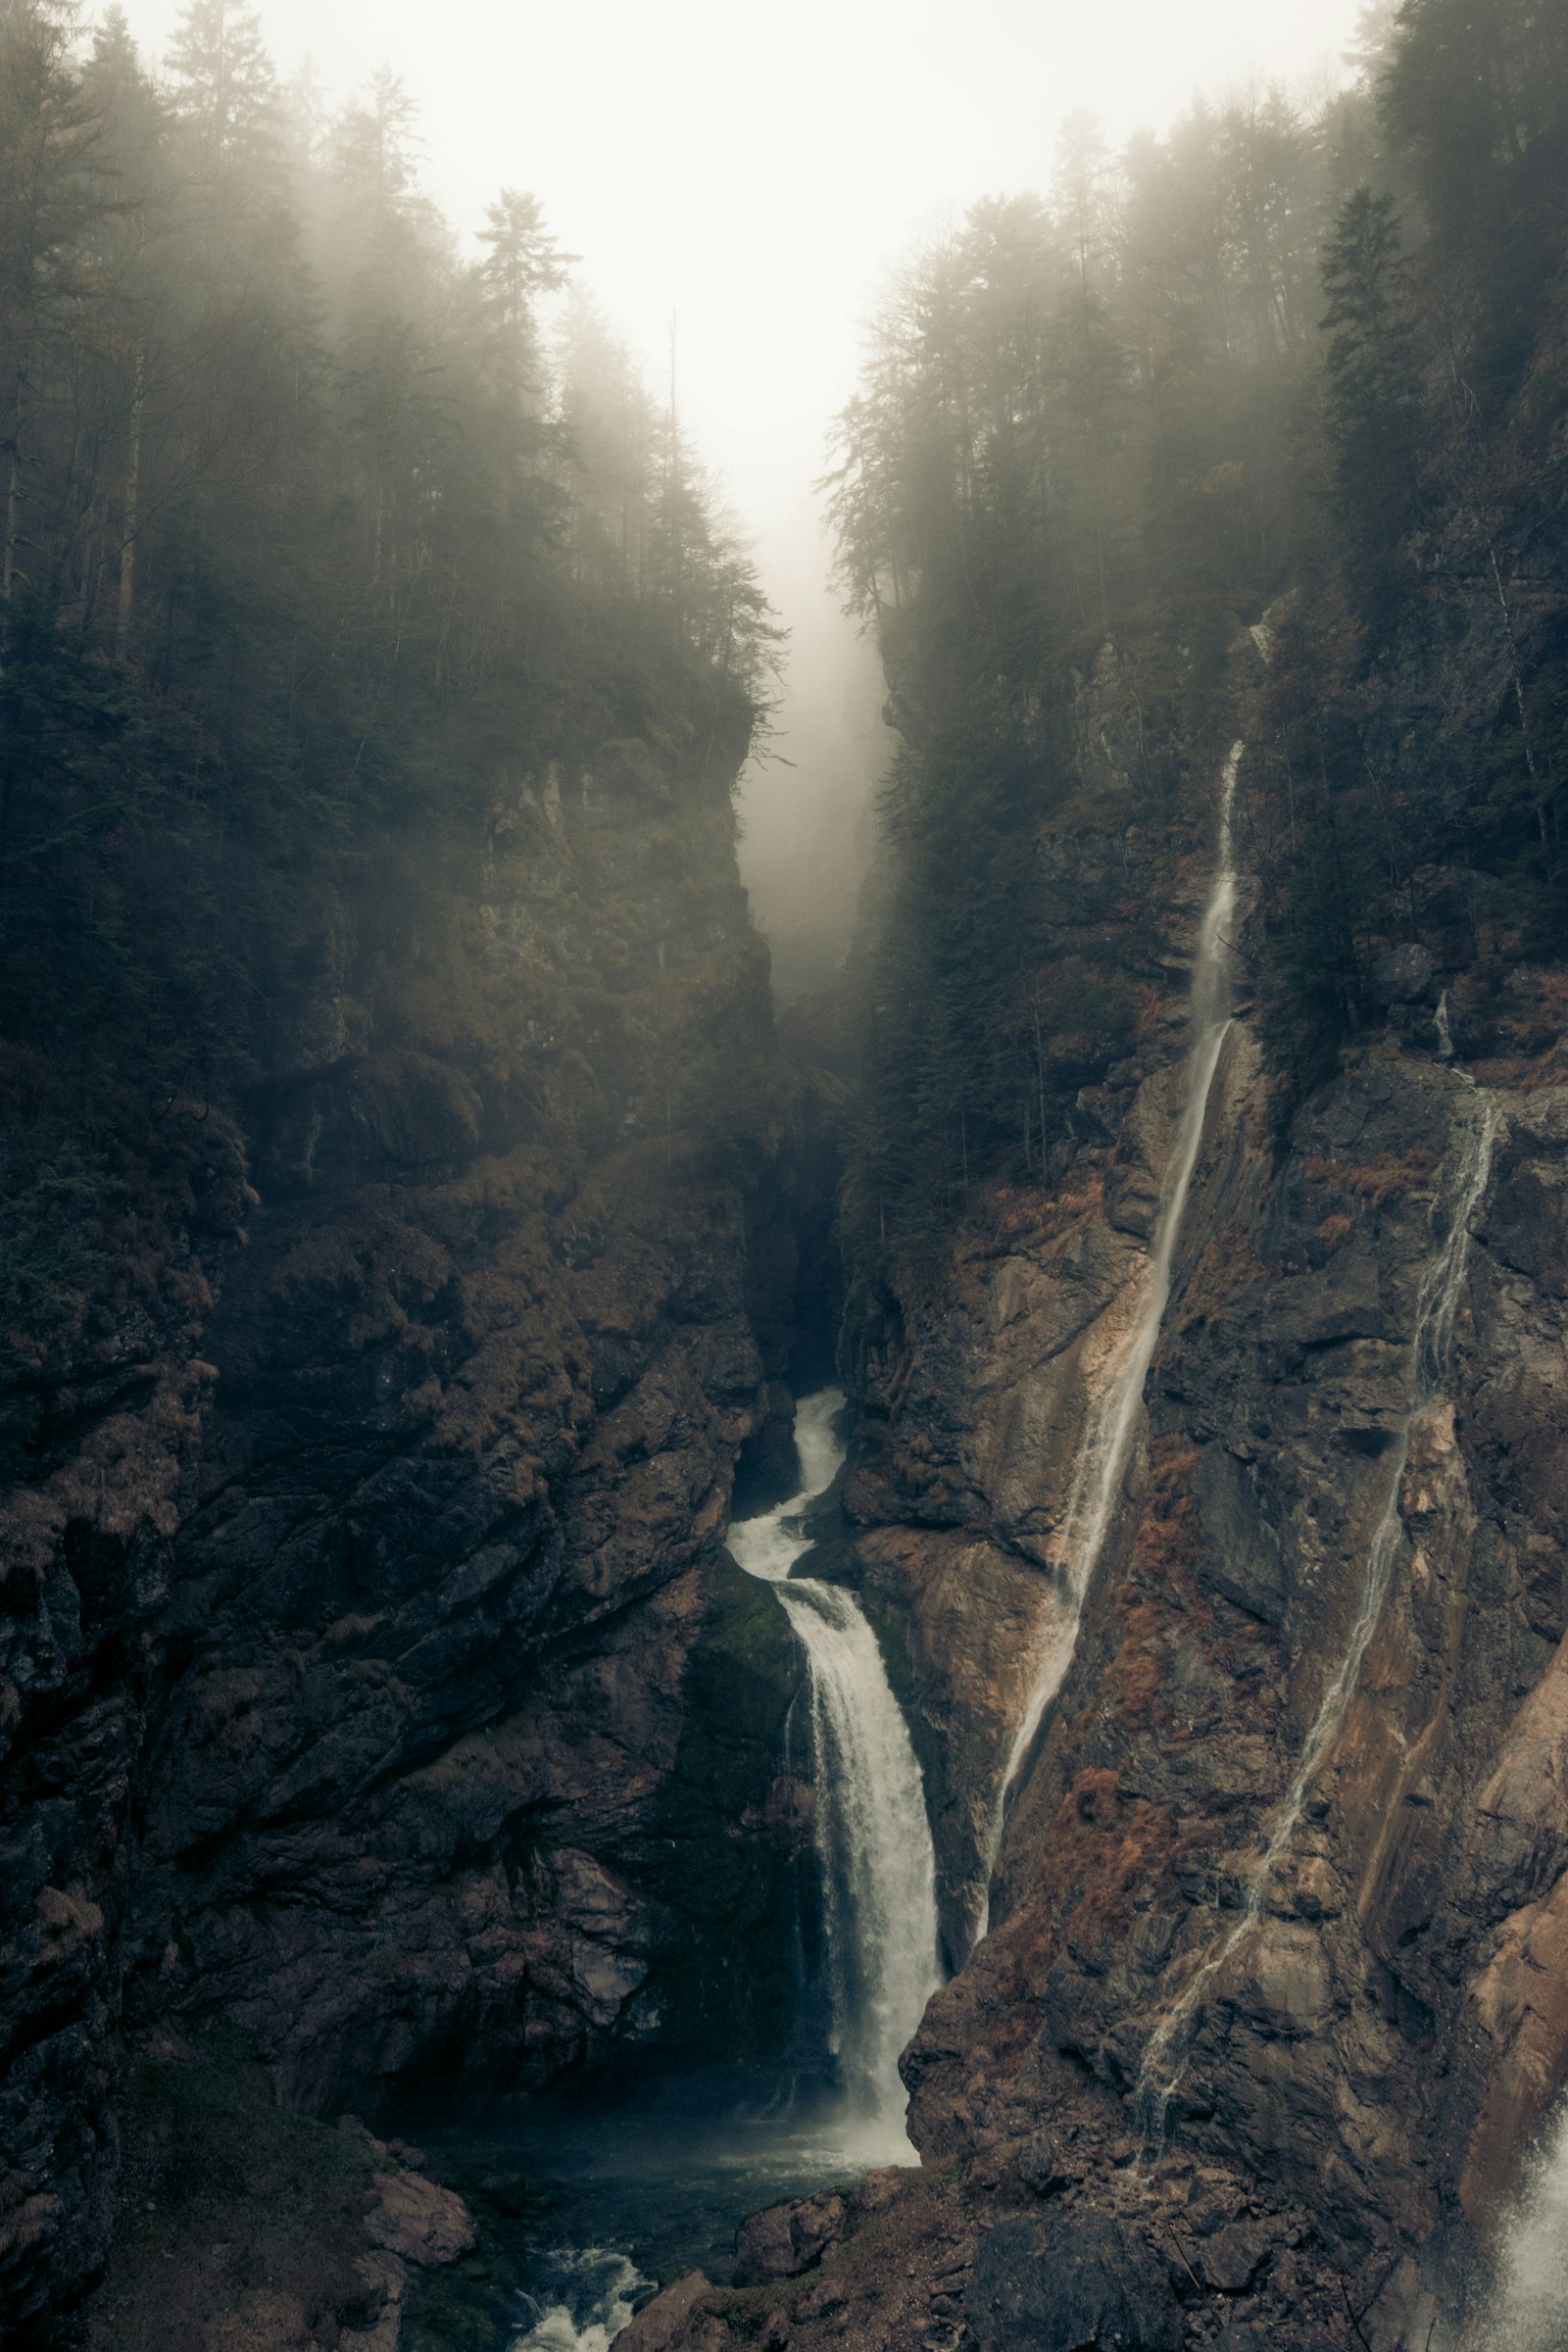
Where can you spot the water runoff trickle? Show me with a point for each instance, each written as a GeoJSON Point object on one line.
{"type": "Point", "coordinates": [1169, 2047]}
{"type": "Point", "coordinates": [1107, 1440]}
{"type": "Point", "coordinates": [873, 1835]}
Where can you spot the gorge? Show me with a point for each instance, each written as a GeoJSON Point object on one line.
{"type": "Point", "coordinates": [862, 1651]}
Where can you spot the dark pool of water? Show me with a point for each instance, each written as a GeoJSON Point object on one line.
{"type": "Point", "coordinates": [584, 2211]}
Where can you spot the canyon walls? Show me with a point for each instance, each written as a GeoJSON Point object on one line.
{"type": "Point", "coordinates": [1254, 2026]}
{"type": "Point", "coordinates": [376, 1685]}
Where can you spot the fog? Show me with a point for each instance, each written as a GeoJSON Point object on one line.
{"type": "Point", "coordinates": [748, 175]}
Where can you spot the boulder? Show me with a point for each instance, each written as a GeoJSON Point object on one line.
{"type": "Point", "coordinates": [785, 2240]}
{"type": "Point", "coordinates": [1403, 976]}
{"type": "Point", "coordinates": [414, 2219]}
{"type": "Point", "coordinates": [675, 2319]}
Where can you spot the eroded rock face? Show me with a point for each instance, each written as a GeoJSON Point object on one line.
{"type": "Point", "coordinates": [1356, 2042]}
{"type": "Point", "coordinates": [366, 1628]}
{"type": "Point", "coordinates": [1377, 2030]}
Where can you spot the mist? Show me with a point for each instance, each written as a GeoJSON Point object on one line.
{"type": "Point", "coordinates": [735, 185]}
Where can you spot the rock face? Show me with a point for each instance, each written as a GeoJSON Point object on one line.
{"type": "Point", "coordinates": [1266, 2096]}
{"type": "Point", "coordinates": [1366, 2042]}
{"type": "Point", "coordinates": [367, 1636]}
{"type": "Point", "coordinates": [1367, 2024]}
{"type": "Point", "coordinates": [1060, 2286]}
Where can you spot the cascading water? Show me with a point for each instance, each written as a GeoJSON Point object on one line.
{"type": "Point", "coordinates": [1528, 2311]}
{"type": "Point", "coordinates": [590, 2298]}
{"type": "Point", "coordinates": [1166, 2058]}
{"type": "Point", "coordinates": [1107, 1440]}
{"type": "Point", "coordinates": [663, 2190]}
{"type": "Point", "coordinates": [878, 1865]}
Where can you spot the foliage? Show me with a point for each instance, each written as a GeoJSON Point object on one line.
{"type": "Point", "coordinates": [303, 554]}
{"type": "Point", "coordinates": [1309, 362]}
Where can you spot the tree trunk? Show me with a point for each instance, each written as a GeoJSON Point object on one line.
{"type": "Point", "coordinates": [128, 551]}
{"type": "Point", "coordinates": [8, 562]}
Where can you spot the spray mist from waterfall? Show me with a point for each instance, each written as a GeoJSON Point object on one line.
{"type": "Point", "coordinates": [1169, 2047]}
{"type": "Point", "coordinates": [1107, 1441]}
{"type": "Point", "coordinates": [1528, 2309]}
{"type": "Point", "coordinates": [873, 1835]}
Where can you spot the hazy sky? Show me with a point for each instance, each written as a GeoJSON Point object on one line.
{"type": "Point", "coordinates": [752, 169]}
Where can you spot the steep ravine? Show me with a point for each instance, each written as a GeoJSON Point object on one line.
{"type": "Point", "coordinates": [377, 1689]}
{"type": "Point", "coordinates": [1334, 1554]}
{"type": "Point", "coordinates": [391, 1714]}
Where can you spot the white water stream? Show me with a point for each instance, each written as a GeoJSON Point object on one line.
{"type": "Point", "coordinates": [1107, 1441]}
{"type": "Point", "coordinates": [1166, 2058]}
{"type": "Point", "coordinates": [597, 2295]}
{"type": "Point", "coordinates": [878, 1865]}
{"type": "Point", "coordinates": [1529, 2310]}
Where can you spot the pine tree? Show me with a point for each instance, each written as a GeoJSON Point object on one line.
{"type": "Point", "coordinates": [51, 190]}
{"type": "Point", "coordinates": [1374, 398]}
{"type": "Point", "coordinates": [225, 78]}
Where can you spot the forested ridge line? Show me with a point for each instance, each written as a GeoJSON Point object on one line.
{"type": "Point", "coordinates": [1302, 361]}
{"type": "Point", "coordinates": [316, 542]}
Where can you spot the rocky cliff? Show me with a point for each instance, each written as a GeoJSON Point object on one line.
{"type": "Point", "coordinates": [1269, 2006]}
{"type": "Point", "coordinates": [375, 1684]}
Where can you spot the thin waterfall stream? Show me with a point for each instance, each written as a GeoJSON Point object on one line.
{"type": "Point", "coordinates": [1107, 1441]}
{"type": "Point", "coordinates": [1169, 2047]}
{"type": "Point", "coordinates": [873, 1835]}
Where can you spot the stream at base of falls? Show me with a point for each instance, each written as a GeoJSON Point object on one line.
{"type": "Point", "coordinates": [600, 2202]}
{"type": "Point", "coordinates": [595, 2203]}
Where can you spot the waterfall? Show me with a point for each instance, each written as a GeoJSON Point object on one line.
{"type": "Point", "coordinates": [1113, 1417]}
{"type": "Point", "coordinates": [1164, 2061]}
{"type": "Point", "coordinates": [873, 1837]}
{"type": "Point", "coordinates": [1528, 2311]}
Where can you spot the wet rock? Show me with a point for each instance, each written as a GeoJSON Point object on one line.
{"type": "Point", "coordinates": [677, 2321]}
{"type": "Point", "coordinates": [765, 2247]}
{"type": "Point", "coordinates": [378, 1557]}
{"type": "Point", "coordinates": [878, 2191]}
{"type": "Point", "coordinates": [1379, 2023]}
{"type": "Point", "coordinates": [419, 2222]}
{"type": "Point", "coordinates": [785, 2240]}
{"type": "Point", "coordinates": [1070, 2282]}
{"type": "Point", "coordinates": [387, 2279]}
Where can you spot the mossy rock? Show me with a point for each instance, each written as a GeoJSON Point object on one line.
{"type": "Point", "coordinates": [232, 2212]}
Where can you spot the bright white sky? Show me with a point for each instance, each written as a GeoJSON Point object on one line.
{"type": "Point", "coordinates": [752, 170]}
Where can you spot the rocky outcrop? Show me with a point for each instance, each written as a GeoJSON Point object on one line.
{"type": "Point", "coordinates": [375, 1681]}
{"type": "Point", "coordinates": [246, 2228]}
{"type": "Point", "coordinates": [1197, 2089]}
{"type": "Point", "coordinates": [1366, 2045]}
